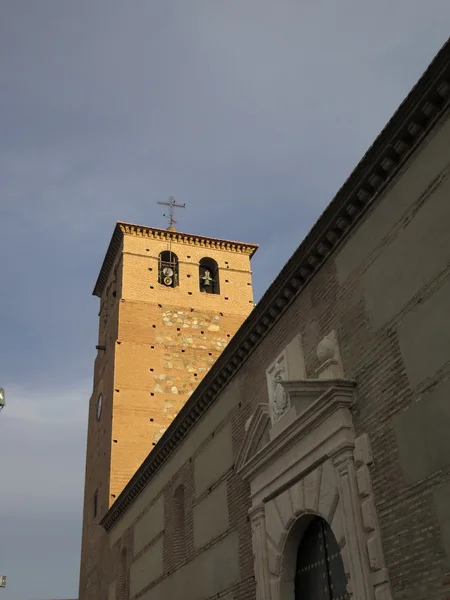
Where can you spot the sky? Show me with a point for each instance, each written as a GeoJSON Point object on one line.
{"type": "Point", "coordinates": [252, 112]}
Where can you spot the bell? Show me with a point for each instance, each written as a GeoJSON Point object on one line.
{"type": "Point", "coordinates": [207, 278]}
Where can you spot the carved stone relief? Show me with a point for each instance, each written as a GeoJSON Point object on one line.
{"type": "Point", "coordinates": [278, 398]}
{"type": "Point", "coordinates": [290, 364]}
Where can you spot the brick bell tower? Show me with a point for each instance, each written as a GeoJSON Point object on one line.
{"type": "Point", "coordinates": [169, 304]}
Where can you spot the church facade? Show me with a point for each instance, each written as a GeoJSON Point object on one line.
{"type": "Point", "coordinates": [313, 459]}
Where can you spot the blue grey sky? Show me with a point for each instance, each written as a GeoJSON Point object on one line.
{"type": "Point", "coordinates": [252, 112]}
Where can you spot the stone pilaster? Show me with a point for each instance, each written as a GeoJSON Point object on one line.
{"type": "Point", "coordinates": [258, 522]}
{"type": "Point", "coordinates": [360, 584]}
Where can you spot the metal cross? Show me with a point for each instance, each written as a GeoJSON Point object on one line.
{"type": "Point", "coordinates": [172, 206]}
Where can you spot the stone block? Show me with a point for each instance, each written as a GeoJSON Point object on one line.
{"type": "Point", "coordinates": [112, 590]}
{"type": "Point", "coordinates": [422, 434]}
{"type": "Point", "coordinates": [274, 523]}
{"type": "Point", "coordinates": [284, 507]}
{"type": "Point", "coordinates": [211, 517]}
{"type": "Point", "coordinates": [214, 460]}
{"type": "Point", "coordinates": [149, 526]}
{"type": "Point", "coordinates": [424, 335]}
{"type": "Point", "coordinates": [147, 568]}
{"type": "Point", "coordinates": [363, 479]}
{"type": "Point", "coordinates": [328, 491]}
{"type": "Point", "coordinates": [375, 552]}
{"type": "Point", "coordinates": [363, 451]}
{"type": "Point", "coordinates": [368, 514]}
{"type": "Point", "coordinates": [419, 252]}
{"type": "Point", "coordinates": [209, 574]}
{"type": "Point", "coordinates": [383, 592]}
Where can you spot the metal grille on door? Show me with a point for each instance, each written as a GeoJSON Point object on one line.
{"type": "Point", "coordinates": [320, 573]}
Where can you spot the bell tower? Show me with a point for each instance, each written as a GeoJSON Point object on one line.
{"type": "Point", "coordinates": [170, 303]}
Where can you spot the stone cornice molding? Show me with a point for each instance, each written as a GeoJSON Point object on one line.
{"type": "Point", "coordinates": [164, 235]}
{"type": "Point", "coordinates": [414, 120]}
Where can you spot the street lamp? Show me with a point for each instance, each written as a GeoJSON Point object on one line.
{"type": "Point", "coordinates": [2, 404]}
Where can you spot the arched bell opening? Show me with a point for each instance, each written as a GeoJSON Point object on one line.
{"type": "Point", "coordinates": [209, 276]}
{"type": "Point", "coordinates": [168, 269]}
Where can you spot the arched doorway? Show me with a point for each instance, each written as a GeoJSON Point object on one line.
{"type": "Point", "coordinates": [320, 573]}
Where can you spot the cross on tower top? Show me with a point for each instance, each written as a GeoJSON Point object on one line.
{"type": "Point", "coordinates": [172, 206]}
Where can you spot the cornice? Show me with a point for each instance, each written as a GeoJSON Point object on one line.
{"type": "Point", "coordinates": [187, 238]}
{"type": "Point", "coordinates": [336, 395]}
{"type": "Point", "coordinates": [164, 235]}
{"type": "Point", "coordinates": [416, 117]}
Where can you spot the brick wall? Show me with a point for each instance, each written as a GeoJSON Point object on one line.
{"type": "Point", "coordinates": [99, 438]}
{"type": "Point", "coordinates": [167, 340]}
{"type": "Point", "coordinates": [158, 342]}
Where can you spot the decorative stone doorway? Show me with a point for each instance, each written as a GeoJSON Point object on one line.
{"type": "Point", "coordinates": [305, 464]}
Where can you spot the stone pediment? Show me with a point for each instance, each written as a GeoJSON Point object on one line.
{"type": "Point", "coordinates": [313, 401]}
{"type": "Point", "coordinates": [256, 436]}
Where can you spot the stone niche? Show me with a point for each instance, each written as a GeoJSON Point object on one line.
{"type": "Point", "coordinates": [302, 459]}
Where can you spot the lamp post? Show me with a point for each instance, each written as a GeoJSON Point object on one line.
{"type": "Point", "coordinates": [2, 404]}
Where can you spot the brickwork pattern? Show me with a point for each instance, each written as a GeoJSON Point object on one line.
{"type": "Point", "coordinates": [176, 557]}
{"type": "Point", "coordinates": [154, 378]}
{"type": "Point", "coordinates": [168, 339]}
{"type": "Point", "coordinates": [158, 344]}
{"type": "Point", "coordinates": [177, 532]}
{"type": "Point", "coordinates": [99, 438]}
{"type": "Point", "coordinates": [114, 567]}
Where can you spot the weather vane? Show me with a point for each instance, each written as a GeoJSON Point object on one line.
{"type": "Point", "coordinates": [172, 206]}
